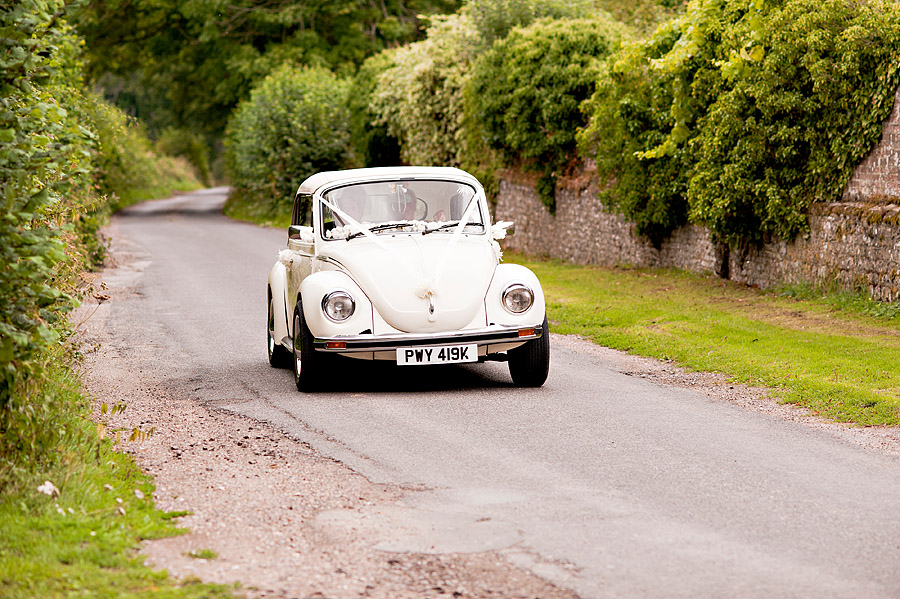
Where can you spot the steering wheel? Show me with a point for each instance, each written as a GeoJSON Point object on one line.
{"type": "Point", "coordinates": [421, 209]}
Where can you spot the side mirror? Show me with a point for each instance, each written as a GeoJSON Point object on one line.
{"type": "Point", "coordinates": [501, 229]}
{"type": "Point", "coordinates": [300, 233]}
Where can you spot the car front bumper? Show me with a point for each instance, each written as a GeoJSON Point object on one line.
{"type": "Point", "coordinates": [492, 335]}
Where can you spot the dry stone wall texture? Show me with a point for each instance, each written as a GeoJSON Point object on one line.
{"type": "Point", "coordinates": [854, 243]}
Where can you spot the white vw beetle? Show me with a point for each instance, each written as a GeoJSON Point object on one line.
{"type": "Point", "coordinates": [401, 264]}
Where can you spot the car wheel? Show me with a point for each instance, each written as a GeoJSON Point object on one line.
{"type": "Point", "coordinates": [529, 364]}
{"type": "Point", "coordinates": [309, 366]}
{"type": "Point", "coordinates": [278, 356]}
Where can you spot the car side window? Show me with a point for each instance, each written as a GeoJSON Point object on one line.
{"type": "Point", "coordinates": [302, 213]}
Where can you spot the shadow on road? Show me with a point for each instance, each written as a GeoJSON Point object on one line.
{"type": "Point", "coordinates": [245, 381]}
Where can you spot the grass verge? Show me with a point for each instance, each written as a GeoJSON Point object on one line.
{"type": "Point", "coordinates": [275, 214]}
{"type": "Point", "coordinates": [81, 542]}
{"type": "Point", "coordinates": [834, 353]}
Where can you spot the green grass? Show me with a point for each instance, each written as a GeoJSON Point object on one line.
{"type": "Point", "coordinates": [834, 353]}
{"type": "Point", "coordinates": [83, 542]}
{"type": "Point", "coordinates": [267, 215]}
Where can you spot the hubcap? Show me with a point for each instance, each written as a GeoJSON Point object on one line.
{"type": "Point", "coordinates": [296, 347]}
{"type": "Point", "coordinates": [270, 327]}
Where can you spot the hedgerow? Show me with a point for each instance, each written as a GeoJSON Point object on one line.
{"type": "Point", "coordinates": [54, 197]}
{"type": "Point", "coordinates": [294, 124]}
{"type": "Point", "coordinates": [424, 99]}
{"type": "Point", "coordinates": [526, 91]}
{"type": "Point", "coordinates": [189, 145]}
{"type": "Point", "coordinates": [738, 115]}
{"type": "Point", "coordinates": [630, 115]}
{"type": "Point", "coordinates": [125, 165]}
{"type": "Point", "coordinates": [43, 157]}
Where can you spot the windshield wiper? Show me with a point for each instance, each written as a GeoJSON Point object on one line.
{"type": "Point", "coordinates": [381, 227]}
{"type": "Point", "coordinates": [451, 225]}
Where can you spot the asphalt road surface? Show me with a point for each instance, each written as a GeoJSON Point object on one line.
{"type": "Point", "coordinates": [607, 484]}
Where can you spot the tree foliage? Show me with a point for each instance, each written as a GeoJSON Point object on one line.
{"type": "Point", "coordinates": [372, 144]}
{"type": "Point", "coordinates": [199, 58]}
{"type": "Point", "coordinates": [294, 124]}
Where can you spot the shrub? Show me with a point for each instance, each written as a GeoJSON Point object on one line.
{"type": "Point", "coordinates": [419, 99]}
{"type": "Point", "coordinates": [526, 91]}
{"type": "Point", "coordinates": [494, 19]}
{"type": "Point", "coordinates": [294, 124]}
{"type": "Point", "coordinates": [125, 166]}
{"type": "Point", "coordinates": [43, 157]}
{"type": "Point", "coordinates": [630, 115]}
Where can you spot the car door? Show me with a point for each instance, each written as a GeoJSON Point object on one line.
{"type": "Point", "coordinates": [301, 243]}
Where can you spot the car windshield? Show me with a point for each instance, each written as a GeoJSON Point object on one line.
{"type": "Point", "coordinates": [403, 205]}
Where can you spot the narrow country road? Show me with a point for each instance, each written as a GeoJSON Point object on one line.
{"type": "Point", "coordinates": [602, 484]}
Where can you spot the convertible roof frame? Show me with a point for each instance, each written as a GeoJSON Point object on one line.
{"type": "Point", "coordinates": [384, 173]}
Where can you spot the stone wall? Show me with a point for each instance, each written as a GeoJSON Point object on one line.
{"type": "Point", "coordinates": [855, 242]}
{"type": "Point", "coordinates": [586, 232]}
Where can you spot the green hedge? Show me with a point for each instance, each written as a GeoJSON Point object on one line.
{"type": "Point", "coordinates": [44, 156]}
{"type": "Point", "coordinates": [189, 145]}
{"type": "Point", "coordinates": [57, 148]}
{"type": "Point", "coordinates": [526, 91]}
{"type": "Point", "coordinates": [737, 116]}
{"type": "Point", "coordinates": [630, 114]}
{"type": "Point", "coordinates": [294, 124]}
{"type": "Point", "coordinates": [799, 109]}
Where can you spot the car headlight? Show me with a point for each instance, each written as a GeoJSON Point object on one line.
{"type": "Point", "coordinates": [338, 306]}
{"type": "Point", "coordinates": [517, 298]}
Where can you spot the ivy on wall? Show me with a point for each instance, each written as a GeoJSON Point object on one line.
{"type": "Point", "coordinates": [739, 114]}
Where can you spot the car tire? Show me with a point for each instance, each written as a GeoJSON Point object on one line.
{"type": "Point", "coordinates": [309, 366]}
{"type": "Point", "coordinates": [529, 364]}
{"type": "Point", "coordinates": [279, 357]}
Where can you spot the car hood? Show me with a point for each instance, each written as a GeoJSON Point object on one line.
{"type": "Point", "coordinates": [405, 276]}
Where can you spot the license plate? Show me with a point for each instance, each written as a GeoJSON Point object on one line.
{"type": "Point", "coordinates": [446, 354]}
